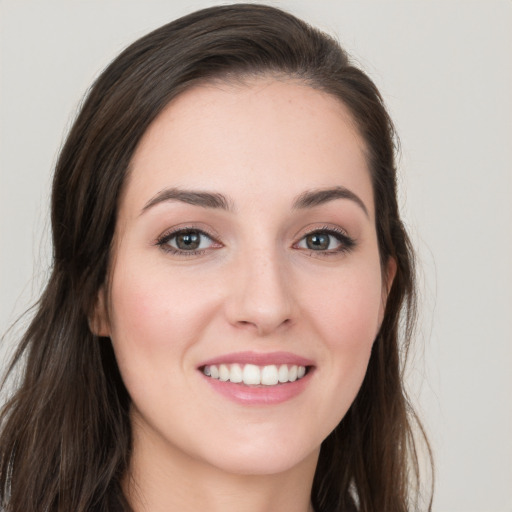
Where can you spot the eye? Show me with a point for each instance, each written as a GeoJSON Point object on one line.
{"type": "Point", "coordinates": [326, 241]}
{"type": "Point", "coordinates": [187, 241]}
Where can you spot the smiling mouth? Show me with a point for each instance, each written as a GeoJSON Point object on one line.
{"type": "Point", "coordinates": [253, 375]}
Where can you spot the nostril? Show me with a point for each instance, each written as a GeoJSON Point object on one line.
{"type": "Point", "coordinates": [263, 327]}
{"type": "Point", "coordinates": [246, 323]}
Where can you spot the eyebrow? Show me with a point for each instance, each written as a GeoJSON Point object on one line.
{"type": "Point", "coordinates": [196, 198]}
{"type": "Point", "coordinates": [308, 199]}
{"type": "Point", "coordinates": [312, 198]}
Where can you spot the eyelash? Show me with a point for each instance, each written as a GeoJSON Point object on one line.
{"type": "Point", "coordinates": [163, 241]}
{"type": "Point", "coordinates": [347, 243]}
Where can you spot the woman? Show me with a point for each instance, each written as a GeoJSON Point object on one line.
{"type": "Point", "coordinates": [220, 330]}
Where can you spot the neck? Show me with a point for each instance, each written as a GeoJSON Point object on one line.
{"type": "Point", "coordinates": [164, 478]}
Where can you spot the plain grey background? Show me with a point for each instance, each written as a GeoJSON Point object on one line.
{"type": "Point", "coordinates": [445, 70]}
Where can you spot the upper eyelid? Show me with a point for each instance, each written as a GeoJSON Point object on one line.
{"type": "Point", "coordinates": [339, 237]}
{"type": "Point", "coordinates": [171, 232]}
{"type": "Point", "coordinates": [332, 229]}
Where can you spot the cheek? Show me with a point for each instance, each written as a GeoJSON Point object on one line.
{"type": "Point", "coordinates": [349, 309]}
{"type": "Point", "coordinates": [156, 319]}
{"type": "Point", "coordinates": [346, 316]}
{"type": "Point", "coordinates": [154, 306]}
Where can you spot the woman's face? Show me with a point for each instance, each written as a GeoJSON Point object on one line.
{"type": "Point", "coordinates": [245, 252]}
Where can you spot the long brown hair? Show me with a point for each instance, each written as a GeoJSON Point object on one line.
{"type": "Point", "coordinates": [65, 437]}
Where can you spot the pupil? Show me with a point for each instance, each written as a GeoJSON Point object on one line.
{"type": "Point", "coordinates": [317, 242]}
{"type": "Point", "coordinates": [188, 241]}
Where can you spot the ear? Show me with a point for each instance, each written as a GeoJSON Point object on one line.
{"type": "Point", "coordinates": [388, 276]}
{"type": "Point", "coordinates": [99, 323]}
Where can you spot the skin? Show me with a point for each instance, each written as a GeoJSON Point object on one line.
{"type": "Point", "coordinates": [254, 286]}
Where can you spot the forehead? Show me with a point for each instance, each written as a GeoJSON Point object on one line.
{"type": "Point", "coordinates": [242, 139]}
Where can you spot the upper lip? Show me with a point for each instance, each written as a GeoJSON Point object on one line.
{"type": "Point", "coordinates": [259, 359]}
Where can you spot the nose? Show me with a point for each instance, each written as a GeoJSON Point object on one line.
{"type": "Point", "coordinates": [260, 295]}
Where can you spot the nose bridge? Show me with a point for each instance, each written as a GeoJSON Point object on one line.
{"type": "Point", "coordinates": [261, 295]}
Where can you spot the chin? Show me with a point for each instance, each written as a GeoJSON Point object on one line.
{"type": "Point", "coordinates": [263, 456]}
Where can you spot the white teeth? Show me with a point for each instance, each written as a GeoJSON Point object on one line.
{"type": "Point", "coordinates": [223, 372]}
{"type": "Point", "coordinates": [252, 375]}
{"type": "Point", "coordinates": [236, 373]}
{"type": "Point", "coordinates": [283, 373]}
{"type": "Point", "coordinates": [269, 376]}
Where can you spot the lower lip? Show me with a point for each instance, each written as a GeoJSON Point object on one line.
{"type": "Point", "coordinates": [260, 395]}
